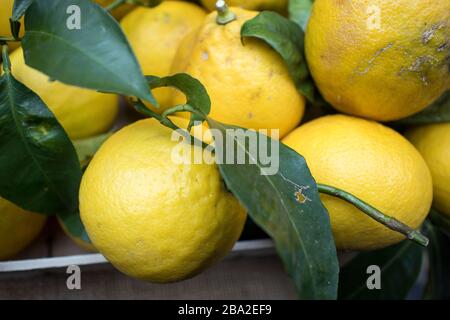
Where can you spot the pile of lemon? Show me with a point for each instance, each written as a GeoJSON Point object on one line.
{"type": "Point", "coordinates": [160, 221]}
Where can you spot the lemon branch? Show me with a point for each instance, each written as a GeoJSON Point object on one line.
{"type": "Point", "coordinates": [375, 214]}
{"type": "Point", "coordinates": [145, 3]}
{"type": "Point", "coordinates": [164, 120]}
{"type": "Point", "coordinates": [141, 108]}
{"type": "Point", "coordinates": [179, 108]}
{"type": "Point", "coordinates": [114, 4]}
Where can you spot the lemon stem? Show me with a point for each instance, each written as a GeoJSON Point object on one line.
{"type": "Point", "coordinates": [224, 15]}
{"type": "Point", "coordinates": [165, 121]}
{"type": "Point", "coordinates": [114, 4]}
{"type": "Point", "coordinates": [5, 58]}
{"type": "Point", "coordinates": [375, 214]}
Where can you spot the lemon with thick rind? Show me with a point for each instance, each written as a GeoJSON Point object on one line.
{"type": "Point", "coordinates": [379, 59]}
{"type": "Point", "coordinates": [153, 215]}
{"type": "Point", "coordinates": [375, 164]}
{"type": "Point", "coordinates": [249, 84]}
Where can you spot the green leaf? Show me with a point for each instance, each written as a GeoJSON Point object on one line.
{"type": "Point", "coordinates": [72, 223]}
{"type": "Point", "coordinates": [286, 205]}
{"type": "Point", "coordinates": [438, 286]}
{"type": "Point", "coordinates": [299, 12]}
{"type": "Point", "coordinates": [86, 148]}
{"type": "Point", "coordinates": [96, 56]}
{"type": "Point", "coordinates": [438, 112]}
{"type": "Point", "coordinates": [39, 169]}
{"type": "Point", "coordinates": [400, 267]}
{"type": "Point", "coordinates": [20, 6]}
{"type": "Point", "coordinates": [287, 38]}
{"type": "Point", "coordinates": [196, 94]}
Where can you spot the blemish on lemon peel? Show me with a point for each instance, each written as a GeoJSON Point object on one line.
{"type": "Point", "coordinates": [374, 57]}
{"type": "Point", "coordinates": [429, 34]}
{"type": "Point", "coordinates": [421, 66]}
{"type": "Point", "coordinates": [442, 47]}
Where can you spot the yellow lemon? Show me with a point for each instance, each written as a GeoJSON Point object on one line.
{"type": "Point", "coordinates": [81, 112]}
{"type": "Point", "coordinates": [372, 162]}
{"type": "Point", "coordinates": [249, 84]}
{"type": "Point", "coordinates": [259, 5]}
{"type": "Point", "coordinates": [6, 8]}
{"type": "Point", "coordinates": [433, 142]}
{"type": "Point", "coordinates": [155, 34]}
{"type": "Point", "coordinates": [151, 215]}
{"type": "Point", "coordinates": [18, 228]}
{"type": "Point", "coordinates": [118, 12]}
{"type": "Point", "coordinates": [380, 59]}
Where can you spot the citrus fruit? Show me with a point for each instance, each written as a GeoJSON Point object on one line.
{"type": "Point", "coordinates": [249, 84]}
{"type": "Point", "coordinates": [375, 164]}
{"type": "Point", "coordinates": [18, 228]}
{"type": "Point", "coordinates": [379, 59]}
{"type": "Point", "coordinates": [118, 12]}
{"type": "Point", "coordinates": [155, 34]}
{"type": "Point", "coordinates": [81, 112]}
{"type": "Point", "coordinates": [151, 216]}
{"type": "Point", "coordinates": [5, 29]}
{"type": "Point", "coordinates": [433, 142]}
{"type": "Point", "coordinates": [259, 5]}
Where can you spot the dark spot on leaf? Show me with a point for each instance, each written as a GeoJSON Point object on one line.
{"type": "Point", "coordinates": [299, 196]}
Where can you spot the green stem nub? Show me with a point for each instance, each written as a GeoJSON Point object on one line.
{"type": "Point", "coordinates": [224, 15]}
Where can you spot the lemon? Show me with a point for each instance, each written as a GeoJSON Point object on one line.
{"type": "Point", "coordinates": [18, 228]}
{"type": "Point", "coordinates": [433, 142]}
{"type": "Point", "coordinates": [379, 59]}
{"type": "Point", "coordinates": [249, 84]}
{"type": "Point", "coordinates": [5, 29]}
{"type": "Point", "coordinates": [274, 5]}
{"type": "Point", "coordinates": [202, 133]}
{"type": "Point", "coordinates": [118, 12]}
{"type": "Point", "coordinates": [155, 34]}
{"type": "Point", "coordinates": [372, 162]}
{"type": "Point", "coordinates": [152, 217]}
{"type": "Point", "coordinates": [81, 112]}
